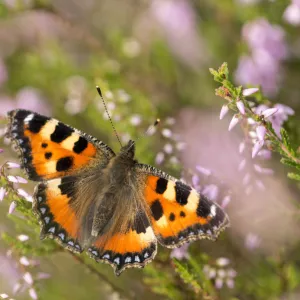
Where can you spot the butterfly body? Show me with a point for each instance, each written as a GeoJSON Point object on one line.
{"type": "Point", "coordinates": [89, 198]}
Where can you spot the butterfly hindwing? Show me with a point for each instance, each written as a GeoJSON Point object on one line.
{"type": "Point", "coordinates": [178, 213]}
{"type": "Point", "coordinates": [135, 247]}
{"type": "Point", "coordinates": [52, 203]}
{"type": "Point", "coordinates": [50, 149]}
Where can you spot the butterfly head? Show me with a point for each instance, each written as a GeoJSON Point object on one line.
{"type": "Point", "coordinates": [128, 150]}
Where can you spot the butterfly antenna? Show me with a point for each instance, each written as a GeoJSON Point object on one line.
{"type": "Point", "coordinates": [111, 122]}
{"type": "Point", "coordinates": [157, 121]}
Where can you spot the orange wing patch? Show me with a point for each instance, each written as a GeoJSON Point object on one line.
{"type": "Point", "coordinates": [52, 205]}
{"type": "Point", "coordinates": [135, 248]}
{"type": "Point", "coordinates": [179, 214]}
{"type": "Point", "coordinates": [49, 149]}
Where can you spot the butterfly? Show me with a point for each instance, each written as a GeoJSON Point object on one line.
{"type": "Point", "coordinates": [90, 199]}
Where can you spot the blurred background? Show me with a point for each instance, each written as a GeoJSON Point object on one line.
{"type": "Point", "coordinates": [151, 59]}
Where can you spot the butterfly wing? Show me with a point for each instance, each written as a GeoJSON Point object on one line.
{"type": "Point", "coordinates": [134, 247]}
{"type": "Point", "coordinates": [50, 149]}
{"type": "Point", "coordinates": [178, 213]}
{"type": "Point", "coordinates": [59, 156]}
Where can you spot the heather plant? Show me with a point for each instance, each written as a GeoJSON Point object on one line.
{"type": "Point", "coordinates": [241, 148]}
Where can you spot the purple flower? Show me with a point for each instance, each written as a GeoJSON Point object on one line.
{"type": "Point", "coordinates": [12, 165]}
{"type": "Point", "coordinates": [225, 201]}
{"type": "Point", "coordinates": [23, 237]}
{"type": "Point", "coordinates": [211, 191]}
{"type": "Point", "coordinates": [160, 156]}
{"type": "Point", "coordinates": [181, 252]}
{"type": "Point", "coordinates": [261, 132]}
{"type": "Point", "coordinates": [203, 171]}
{"type": "Point", "coordinates": [257, 147]}
{"type": "Point", "coordinates": [177, 21]}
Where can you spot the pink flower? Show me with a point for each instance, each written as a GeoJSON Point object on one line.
{"type": "Point", "coordinates": [2, 193]}
{"type": "Point", "coordinates": [261, 132]}
{"type": "Point", "coordinates": [181, 252]}
{"type": "Point", "coordinates": [241, 107]}
{"type": "Point", "coordinates": [12, 165]}
{"type": "Point", "coordinates": [224, 111]}
{"type": "Point", "coordinates": [233, 122]}
{"type": "Point", "coordinates": [12, 207]}
{"type": "Point", "coordinates": [250, 91]}
{"type": "Point", "coordinates": [28, 278]}
{"type": "Point", "coordinates": [33, 294]}
{"type": "Point", "coordinates": [257, 146]}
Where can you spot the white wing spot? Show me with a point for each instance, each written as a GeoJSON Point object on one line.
{"type": "Point", "coordinates": [127, 259]}
{"type": "Point", "coordinates": [42, 210]}
{"type": "Point", "coordinates": [213, 210]}
{"type": "Point", "coordinates": [137, 259]}
{"type": "Point", "coordinates": [47, 220]}
{"type": "Point", "coordinates": [52, 229]}
{"type": "Point", "coordinates": [146, 254]}
{"type": "Point", "coordinates": [28, 118]}
{"type": "Point", "coordinates": [106, 256]}
{"type": "Point", "coordinates": [117, 260]}
{"type": "Point", "coordinates": [62, 236]}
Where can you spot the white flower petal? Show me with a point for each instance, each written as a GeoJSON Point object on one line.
{"type": "Point", "coordinates": [233, 122]}
{"type": "Point", "coordinates": [224, 111]}
{"type": "Point", "coordinates": [257, 147]}
{"type": "Point", "coordinates": [23, 237]}
{"type": "Point", "coordinates": [241, 107]}
{"type": "Point", "coordinates": [28, 278]}
{"type": "Point", "coordinates": [250, 91]}
{"type": "Point", "coordinates": [2, 193]}
{"type": "Point", "coordinates": [269, 112]}
{"type": "Point", "coordinates": [261, 132]}
{"type": "Point", "coordinates": [33, 294]}
{"type": "Point", "coordinates": [222, 261]}
{"type": "Point", "coordinates": [12, 165]}
{"type": "Point", "coordinates": [12, 207]}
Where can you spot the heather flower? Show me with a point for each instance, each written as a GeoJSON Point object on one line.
{"type": "Point", "coordinates": [32, 294]}
{"type": "Point", "coordinates": [12, 165]}
{"type": "Point", "coordinates": [166, 132]}
{"type": "Point", "coordinates": [168, 148]}
{"type": "Point", "coordinates": [226, 200]}
{"type": "Point", "coordinates": [176, 20]}
{"type": "Point", "coordinates": [260, 131]}
{"type": "Point", "coordinates": [242, 165]}
{"type": "Point", "coordinates": [1, 150]}
{"type": "Point", "coordinates": [222, 261]}
{"type": "Point", "coordinates": [203, 170]}
{"type": "Point", "coordinates": [241, 107]}
{"type": "Point", "coordinates": [28, 278]}
{"type": "Point", "coordinates": [160, 156]}
{"type": "Point", "coordinates": [257, 147]}
{"type": "Point", "coordinates": [136, 120]}
{"type": "Point", "coordinates": [16, 179]}
{"type": "Point", "coordinates": [242, 147]}
{"type": "Point", "coordinates": [2, 193]}
{"type": "Point", "coordinates": [233, 122]}
{"type": "Point", "coordinates": [250, 91]}
{"type": "Point", "coordinates": [252, 241]}
{"type": "Point", "coordinates": [24, 194]}
{"type": "Point", "coordinates": [292, 14]}
{"type": "Point", "coordinates": [24, 261]}
{"type": "Point", "coordinates": [181, 252]}
{"type": "Point", "coordinates": [211, 191]}
{"type": "Point", "coordinates": [224, 111]}
{"type": "Point", "coordinates": [42, 275]}
{"type": "Point", "coordinates": [12, 207]}
{"type": "Point", "coordinates": [23, 237]}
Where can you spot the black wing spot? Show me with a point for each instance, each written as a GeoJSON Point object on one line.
{"type": "Point", "coordinates": [203, 209]}
{"type": "Point", "coordinates": [37, 122]}
{"type": "Point", "coordinates": [44, 145]}
{"type": "Point", "coordinates": [140, 223]}
{"type": "Point", "coordinates": [157, 210]}
{"type": "Point", "coordinates": [182, 214]}
{"type": "Point", "coordinates": [48, 155]}
{"type": "Point", "coordinates": [182, 192]}
{"type": "Point", "coordinates": [61, 132]}
{"type": "Point", "coordinates": [80, 145]}
{"type": "Point", "coordinates": [65, 163]}
{"type": "Point", "coordinates": [67, 186]}
{"type": "Point", "coordinates": [161, 185]}
{"type": "Point", "coordinates": [172, 217]}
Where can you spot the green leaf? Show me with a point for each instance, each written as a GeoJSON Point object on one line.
{"type": "Point", "coordinates": [286, 139]}
{"type": "Point", "coordinates": [187, 276]}
{"type": "Point", "coordinates": [289, 162]}
{"type": "Point", "coordinates": [294, 176]}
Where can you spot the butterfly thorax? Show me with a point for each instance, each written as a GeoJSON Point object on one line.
{"type": "Point", "coordinates": [116, 195]}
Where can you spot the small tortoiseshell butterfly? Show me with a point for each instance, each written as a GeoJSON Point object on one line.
{"type": "Point", "coordinates": [89, 198]}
